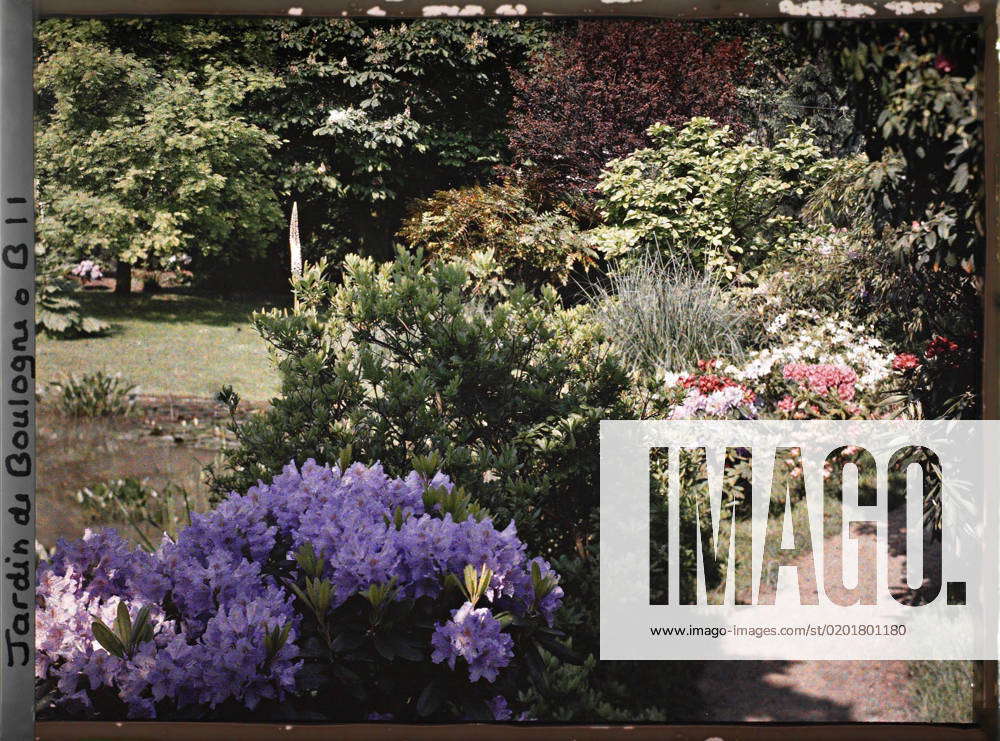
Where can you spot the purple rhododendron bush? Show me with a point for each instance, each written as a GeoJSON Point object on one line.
{"type": "Point", "coordinates": [333, 593]}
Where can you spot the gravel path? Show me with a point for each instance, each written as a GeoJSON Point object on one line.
{"type": "Point", "coordinates": [863, 691]}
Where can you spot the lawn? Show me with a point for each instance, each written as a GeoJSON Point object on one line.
{"type": "Point", "coordinates": [169, 343]}
{"type": "Point", "coordinates": [941, 691]}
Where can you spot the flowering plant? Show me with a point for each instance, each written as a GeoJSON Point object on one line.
{"type": "Point", "coordinates": [905, 362]}
{"type": "Point", "coordinates": [87, 270]}
{"type": "Point", "coordinates": [940, 383]}
{"type": "Point", "coordinates": [704, 393]}
{"type": "Point", "coordinates": [331, 593]}
{"type": "Point", "coordinates": [806, 360]}
{"type": "Point", "coordinates": [819, 390]}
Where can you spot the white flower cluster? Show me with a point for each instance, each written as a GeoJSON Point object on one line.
{"type": "Point", "coordinates": [830, 341]}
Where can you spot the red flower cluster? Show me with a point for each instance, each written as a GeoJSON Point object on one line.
{"type": "Point", "coordinates": [821, 378]}
{"type": "Point", "coordinates": [905, 361]}
{"type": "Point", "coordinates": [939, 345]}
{"type": "Point", "coordinates": [943, 65]}
{"type": "Point", "coordinates": [711, 382]}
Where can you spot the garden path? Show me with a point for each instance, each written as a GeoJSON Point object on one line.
{"type": "Point", "coordinates": [814, 691]}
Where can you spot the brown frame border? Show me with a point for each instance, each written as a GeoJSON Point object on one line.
{"type": "Point", "coordinates": [985, 698]}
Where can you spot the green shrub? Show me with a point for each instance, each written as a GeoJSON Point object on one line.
{"type": "Point", "coordinates": [862, 280]}
{"type": "Point", "coordinates": [144, 509]}
{"type": "Point", "coordinates": [727, 204]}
{"type": "Point", "coordinates": [403, 361]}
{"type": "Point", "coordinates": [94, 395]}
{"type": "Point", "coordinates": [531, 247]}
{"type": "Point", "coordinates": [664, 315]}
{"type": "Point", "coordinates": [399, 362]}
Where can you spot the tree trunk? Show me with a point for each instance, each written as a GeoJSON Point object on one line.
{"type": "Point", "coordinates": [123, 278]}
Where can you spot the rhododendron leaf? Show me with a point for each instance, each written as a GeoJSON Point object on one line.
{"type": "Point", "coordinates": [275, 639]}
{"type": "Point", "coordinates": [344, 458]}
{"type": "Point", "coordinates": [354, 683]}
{"type": "Point", "coordinates": [427, 465]}
{"type": "Point", "coordinates": [533, 662]}
{"type": "Point", "coordinates": [298, 592]}
{"type": "Point", "coordinates": [452, 581]}
{"type": "Point", "coordinates": [142, 630]}
{"type": "Point", "coordinates": [406, 649]}
{"type": "Point", "coordinates": [123, 623]}
{"type": "Point", "coordinates": [430, 698]}
{"type": "Point", "coordinates": [107, 639]}
{"type": "Point", "coordinates": [319, 593]}
{"type": "Point", "coordinates": [384, 647]}
{"type": "Point", "coordinates": [347, 641]}
{"type": "Point", "coordinates": [543, 587]}
{"type": "Point", "coordinates": [307, 559]}
{"type": "Point", "coordinates": [311, 677]}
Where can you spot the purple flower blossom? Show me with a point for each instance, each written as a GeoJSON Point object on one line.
{"type": "Point", "coordinates": [720, 403]}
{"type": "Point", "coordinates": [499, 708]}
{"type": "Point", "coordinates": [474, 635]}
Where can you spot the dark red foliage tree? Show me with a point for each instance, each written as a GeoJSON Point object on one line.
{"type": "Point", "coordinates": [591, 96]}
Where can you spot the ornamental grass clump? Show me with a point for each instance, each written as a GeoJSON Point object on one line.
{"type": "Point", "coordinates": [663, 314]}
{"type": "Point", "coordinates": [332, 593]}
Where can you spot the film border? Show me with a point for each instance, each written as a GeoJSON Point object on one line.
{"type": "Point", "coordinates": [17, 330]}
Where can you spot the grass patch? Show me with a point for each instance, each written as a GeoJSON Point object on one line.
{"type": "Point", "coordinates": [941, 691]}
{"type": "Point", "coordinates": [175, 343]}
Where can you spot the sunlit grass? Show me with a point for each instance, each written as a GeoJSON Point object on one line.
{"type": "Point", "coordinates": [168, 343]}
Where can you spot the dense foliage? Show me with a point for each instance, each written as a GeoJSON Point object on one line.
{"type": "Point", "coordinates": [375, 115]}
{"type": "Point", "coordinates": [402, 360]}
{"type": "Point", "coordinates": [353, 119]}
{"type": "Point", "coordinates": [531, 247]}
{"type": "Point", "coordinates": [594, 220]}
{"type": "Point", "coordinates": [725, 205]}
{"type": "Point", "coordinates": [140, 164]}
{"type": "Point", "coordinates": [396, 361]}
{"type": "Point", "coordinates": [593, 94]}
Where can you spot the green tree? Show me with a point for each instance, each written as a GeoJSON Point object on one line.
{"type": "Point", "coordinates": [375, 115]}
{"type": "Point", "coordinates": [139, 164]}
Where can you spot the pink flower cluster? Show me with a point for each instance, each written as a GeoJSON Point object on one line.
{"type": "Point", "coordinates": [786, 404]}
{"type": "Point", "coordinates": [823, 378]}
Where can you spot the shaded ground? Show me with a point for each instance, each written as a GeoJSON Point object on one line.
{"type": "Point", "coordinates": [861, 691]}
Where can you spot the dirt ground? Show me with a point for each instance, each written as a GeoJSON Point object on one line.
{"type": "Point", "coordinates": [829, 691]}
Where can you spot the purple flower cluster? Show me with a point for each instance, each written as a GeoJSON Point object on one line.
{"type": "Point", "coordinates": [474, 635]}
{"type": "Point", "coordinates": [212, 600]}
{"type": "Point", "coordinates": [210, 650]}
{"type": "Point", "coordinates": [721, 403]}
